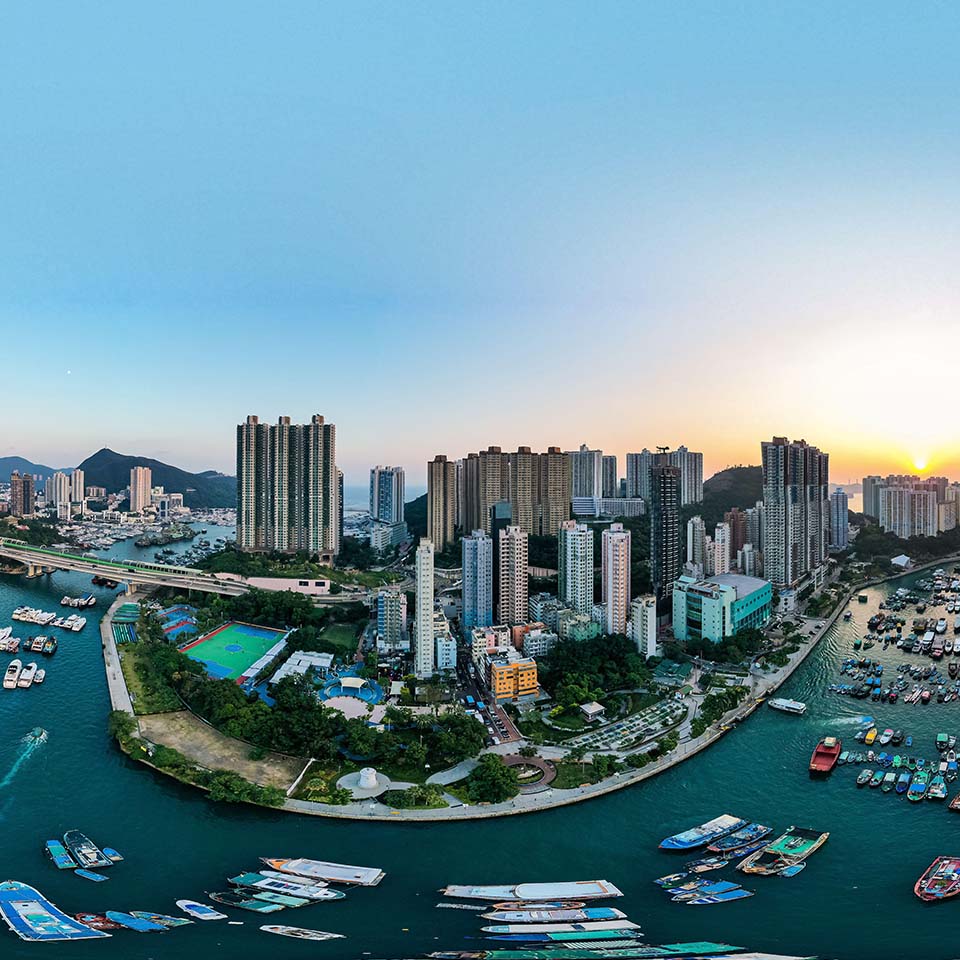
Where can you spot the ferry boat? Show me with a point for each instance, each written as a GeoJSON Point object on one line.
{"type": "Point", "coordinates": [555, 916]}
{"type": "Point", "coordinates": [940, 881]}
{"type": "Point", "coordinates": [84, 851]}
{"type": "Point", "coordinates": [29, 914]}
{"type": "Point", "coordinates": [788, 706]}
{"type": "Point", "coordinates": [300, 933]}
{"type": "Point", "coordinates": [825, 755]}
{"type": "Point", "coordinates": [704, 834]}
{"type": "Point", "coordinates": [332, 872]}
{"type": "Point", "coordinates": [793, 846]}
{"type": "Point", "coordinates": [12, 675]}
{"type": "Point", "coordinates": [565, 890]}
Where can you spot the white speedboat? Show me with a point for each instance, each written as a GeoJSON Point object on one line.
{"type": "Point", "coordinates": [26, 675]}
{"type": "Point", "coordinates": [12, 675]}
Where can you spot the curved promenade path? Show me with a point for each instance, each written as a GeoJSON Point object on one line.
{"type": "Point", "coordinates": [762, 684]}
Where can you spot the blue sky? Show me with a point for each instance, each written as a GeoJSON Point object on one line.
{"type": "Point", "coordinates": [448, 225]}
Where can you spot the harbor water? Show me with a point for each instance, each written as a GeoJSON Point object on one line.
{"type": "Point", "coordinates": [854, 899]}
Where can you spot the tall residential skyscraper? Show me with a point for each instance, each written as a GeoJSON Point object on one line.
{"type": "Point", "coordinates": [287, 489]}
{"type": "Point", "coordinates": [664, 525]}
{"type": "Point", "coordinates": [21, 494]}
{"type": "Point", "coordinates": [839, 519]}
{"type": "Point", "coordinates": [575, 566]}
{"type": "Point", "coordinates": [513, 576]}
{"type": "Point", "coordinates": [524, 493]}
{"type": "Point", "coordinates": [610, 484]}
{"type": "Point", "coordinates": [486, 481]}
{"type": "Point", "coordinates": [871, 496]}
{"type": "Point", "coordinates": [441, 501]}
{"type": "Point", "coordinates": [141, 484]}
{"type": "Point", "coordinates": [755, 525]}
{"type": "Point", "coordinates": [721, 549]}
{"type": "Point", "coordinates": [477, 552]}
{"type": "Point", "coordinates": [386, 494]}
{"type": "Point", "coordinates": [643, 621]}
{"type": "Point", "coordinates": [501, 517]}
{"type": "Point", "coordinates": [78, 489]}
{"type": "Point", "coordinates": [423, 646]}
{"type": "Point", "coordinates": [615, 561]}
{"type": "Point", "coordinates": [796, 510]}
{"type": "Point", "coordinates": [586, 472]}
{"type": "Point", "coordinates": [909, 510]}
{"type": "Point", "coordinates": [736, 520]}
{"type": "Point", "coordinates": [691, 475]}
{"type": "Point", "coordinates": [696, 542]}
{"type": "Point", "coordinates": [638, 474]}
{"type": "Point", "coordinates": [554, 492]}
{"type": "Point", "coordinates": [57, 489]}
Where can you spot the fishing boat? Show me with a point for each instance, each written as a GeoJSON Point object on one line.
{"type": "Point", "coordinates": [160, 918]}
{"type": "Point", "coordinates": [330, 872]}
{"type": "Point", "coordinates": [918, 786]}
{"type": "Point", "coordinates": [825, 755]}
{"type": "Point", "coordinates": [688, 887]}
{"type": "Point", "coordinates": [711, 889]}
{"type": "Point", "coordinates": [955, 803]}
{"type": "Point", "coordinates": [200, 911]}
{"type": "Point", "coordinates": [877, 778]}
{"type": "Point", "coordinates": [937, 789]}
{"type": "Point", "coordinates": [843, 758]}
{"type": "Point", "coordinates": [300, 933]}
{"type": "Point", "coordinates": [31, 916]}
{"type": "Point", "coordinates": [943, 740]}
{"type": "Point", "coordinates": [58, 854]}
{"type": "Point", "coordinates": [793, 846]}
{"type": "Point", "coordinates": [90, 875]}
{"type": "Point", "coordinates": [561, 927]}
{"type": "Point", "coordinates": [672, 879]}
{"type": "Point", "coordinates": [96, 921]}
{"type": "Point", "coordinates": [787, 706]}
{"type": "Point", "coordinates": [704, 834]}
{"type": "Point", "coordinates": [864, 777]}
{"type": "Point", "coordinates": [231, 899]}
{"type": "Point", "coordinates": [940, 881]}
{"type": "Point", "coordinates": [903, 782]}
{"type": "Point", "coordinates": [792, 870]}
{"type": "Point", "coordinates": [720, 898]}
{"type": "Point", "coordinates": [555, 916]}
{"type": "Point", "coordinates": [573, 889]}
{"type": "Point", "coordinates": [707, 864]}
{"type": "Point", "coordinates": [84, 851]}
{"type": "Point", "coordinates": [740, 838]}
{"type": "Point", "coordinates": [889, 781]}
{"type": "Point", "coordinates": [131, 922]}
{"type": "Point", "coordinates": [257, 881]}
{"type": "Point", "coordinates": [870, 736]}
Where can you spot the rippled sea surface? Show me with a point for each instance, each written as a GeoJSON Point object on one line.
{"type": "Point", "coordinates": [854, 899]}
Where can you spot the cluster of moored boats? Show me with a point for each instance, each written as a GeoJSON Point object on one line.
{"type": "Point", "coordinates": [42, 618]}
{"type": "Point", "coordinates": [733, 840]}
{"type": "Point", "coordinates": [929, 682]}
{"type": "Point", "coordinates": [87, 600]}
{"type": "Point", "coordinates": [278, 885]}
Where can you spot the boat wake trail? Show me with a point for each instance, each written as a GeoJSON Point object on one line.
{"type": "Point", "coordinates": [31, 743]}
{"type": "Point", "coordinates": [852, 721]}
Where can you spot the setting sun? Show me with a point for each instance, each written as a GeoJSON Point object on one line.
{"type": "Point", "coordinates": [920, 462]}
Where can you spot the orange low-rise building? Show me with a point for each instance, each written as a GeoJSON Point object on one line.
{"type": "Point", "coordinates": [513, 679]}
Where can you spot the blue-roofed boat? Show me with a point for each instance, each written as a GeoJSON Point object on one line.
{"type": "Point", "coordinates": [792, 870]}
{"type": "Point", "coordinates": [740, 838]}
{"type": "Point", "coordinates": [112, 855]}
{"type": "Point", "coordinates": [711, 889]}
{"type": "Point", "coordinates": [579, 939]}
{"type": "Point", "coordinates": [706, 833]}
{"type": "Point", "coordinates": [555, 916]}
{"type": "Point", "coordinates": [57, 852]}
{"type": "Point", "coordinates": [29, 914]}
{"type": "Point", "coordinates": [903, 782]}
{"type": "Point", "coordinates": [720, 898]}
{"type": "Point", "coordinates": [670, 880]}
{"type": "Point", "coordinates": [90, 875]}
{"type": "Point", "coordinates": [131, 922]}
{"type": "Point", "coordinates": [160, 918]}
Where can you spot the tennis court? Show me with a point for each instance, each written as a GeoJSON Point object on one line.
{"type": "Point", "coordinates": [230, 650]}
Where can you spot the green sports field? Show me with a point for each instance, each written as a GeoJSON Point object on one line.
{"type": "Point", "coordinates": [231, 649]}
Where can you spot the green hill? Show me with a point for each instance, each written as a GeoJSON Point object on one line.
{"type": "Point", "coordinates": [9, 464]}
{"type": "Point", "coordinates": [107, 468]}
{"type": "Point", "coordinates": [415, 514]}
{"type": "Point", "coordinates": [734, 487]}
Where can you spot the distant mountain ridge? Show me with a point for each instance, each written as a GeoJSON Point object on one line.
{"type": "Point", "coordinates": [22, 465]}
{"type": "Point", "coordinates": [107, 468]}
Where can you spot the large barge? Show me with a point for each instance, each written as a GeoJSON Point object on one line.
{"type": "Point", "coordinates": [31, 916]}
{"type": "Point", "coordinates": [704, 834]}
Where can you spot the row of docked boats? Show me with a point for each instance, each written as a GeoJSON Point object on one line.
{"type": "Point", "coordinates": [87, 600]}
{"type": "Point", "coordinates": [9, 644]}
{"type": "Point", "coordinates": [79, 853]}
{"type": "Point", "coordinates": [42, 618]}
{"type": "Point", "coordinates": [19, 676]}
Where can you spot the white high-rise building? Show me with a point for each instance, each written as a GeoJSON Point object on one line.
{"type": "Point", "coordinates": [423, 639]}
{"type": "Point", "coordinates": [477, 552]}
{"type": "Point", "coordinates": [615, 549]}
{"type": "Point", "coordinates": [586, 472]}
{"type": "Point", "coordinates": [691, 474]}
{"type": "Point", "coordinates": [77, 488]}
{"type": "Point", "coordinates": [909, 511]}
{"type": "Point", "coordinates": [513, 573]}
{"type": "Point", "coordinates": [643, 625]}
{"type": "Point", "coordinates": [575, 566]}
{"type": "Point", "coordinates": [57, 490]}
{"type": "Point", "coordinates": [839, 520]}
{"type": "Point", "coordinates": [141, 487]}
{"type": "Point", "coordinates": [386, 494]}
{"type": "Point", "coordinates": [721, 548]}
{"type": "Point", "coordinates": [696, 542]}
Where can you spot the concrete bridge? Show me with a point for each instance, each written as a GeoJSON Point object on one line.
{"type": "Point", "coordinates": [39, 560]}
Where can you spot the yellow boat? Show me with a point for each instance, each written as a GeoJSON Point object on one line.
{"type": "Point", "coordinates": [871, 736]}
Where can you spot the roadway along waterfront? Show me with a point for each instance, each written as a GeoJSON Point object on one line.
{"type": "Point", "coordinates": [854, 900]}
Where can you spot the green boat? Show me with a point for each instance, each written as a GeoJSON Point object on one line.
{"type": "Point", "coordinates": [898, 760]}
{"type": "Point", "coordinates": [858, 643]}
{"type": "Point", "coordinates": [918, 786]}
{"type": "Point", "coordinates": [889, 781]}
{"type": "Point", "coordinates": [876, 779]}
{"type": "Point", "coordinates": [943, 742]}
{"type": "Point", "coordinates": [911, 763]}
